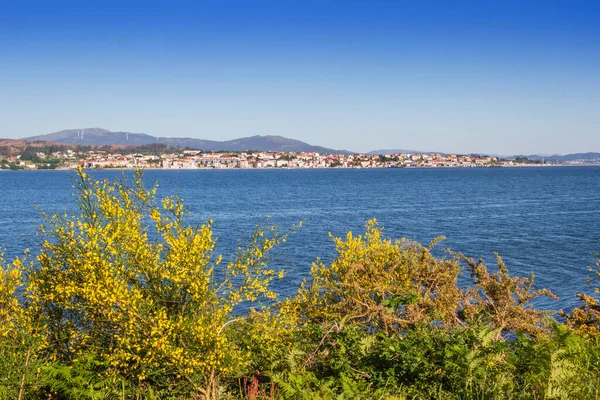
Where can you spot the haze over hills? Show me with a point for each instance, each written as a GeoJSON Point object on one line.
{"type": "Point", "coordinates": [103, 137]}
{"type": "Point", "coordinates": [589, 156]}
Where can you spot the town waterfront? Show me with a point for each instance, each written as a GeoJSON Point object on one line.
{"type": "Point", "coordinates": [544, 220]}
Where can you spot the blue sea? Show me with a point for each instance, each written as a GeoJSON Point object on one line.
{"type": "Point", "coordinates": [543, 220]}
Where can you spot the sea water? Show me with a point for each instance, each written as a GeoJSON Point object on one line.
{"type": "Point", "coordinates": [544, 220]}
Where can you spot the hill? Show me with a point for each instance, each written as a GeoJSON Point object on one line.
{"type": "Point", "coordinates": [103, 137]}
{"type": "Point", "coordinates": [12, 147]}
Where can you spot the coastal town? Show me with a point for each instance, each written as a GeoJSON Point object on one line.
{"type": "Point", "coordinates": [178, 159]}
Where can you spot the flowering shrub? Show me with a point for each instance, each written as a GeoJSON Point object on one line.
{"type": "Point", "coordinates": [129, 281]}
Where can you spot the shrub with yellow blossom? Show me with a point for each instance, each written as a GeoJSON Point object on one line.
{"type": "Point", "coordinates": [20, 335]}
{"type": "Point", "coordinates": [386, 285]}
{"type": "Point", "coordinates": [130, 281]}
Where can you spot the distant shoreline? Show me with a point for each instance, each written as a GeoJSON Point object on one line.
{"type": "Point", "coordinates": [303, 169]}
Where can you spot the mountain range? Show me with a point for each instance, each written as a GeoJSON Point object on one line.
{"type": "Point", "coordinates": [103, 137]}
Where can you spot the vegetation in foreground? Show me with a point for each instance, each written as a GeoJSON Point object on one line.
{"type": "Point", "coordinates": [128, 300]}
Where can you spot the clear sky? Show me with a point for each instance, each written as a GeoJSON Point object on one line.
{"type": "Point", "coordinates": [503, 77]}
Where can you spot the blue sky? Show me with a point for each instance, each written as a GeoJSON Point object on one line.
{"type": "Point", "coordinates": [500, 77]}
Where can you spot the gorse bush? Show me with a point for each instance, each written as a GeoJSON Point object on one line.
{"type": "Point", "coordinates": [157, 313]}
{"type": "Point", "coordinates": [20, 335]}
{"type": "Point", "coordinates": [127, 299]}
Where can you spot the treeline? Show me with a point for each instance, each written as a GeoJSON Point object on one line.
{"type": "Point", "coordinates": [150, 149]}
{"type": "Point", "coordinates": [526, 160]}
{"type": "Point", "coordinates": [126, 299]}
{"type": "Point", "coordinates": [29, 150]}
